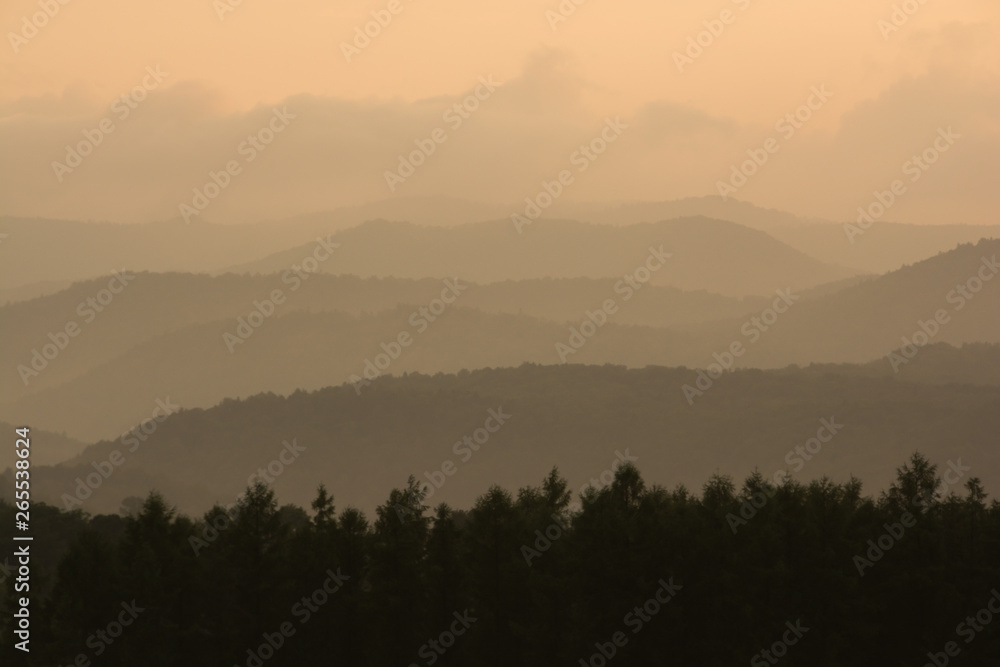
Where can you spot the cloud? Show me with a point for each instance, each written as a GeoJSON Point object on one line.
{"type": "Point", "coordinates": [336, 151]}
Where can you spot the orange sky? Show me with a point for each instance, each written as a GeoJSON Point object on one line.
{"type": "Point", "coordinates": [687, 129]}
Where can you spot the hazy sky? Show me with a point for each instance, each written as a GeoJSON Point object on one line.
{"type": "Point", "coordinates": [222, 77]}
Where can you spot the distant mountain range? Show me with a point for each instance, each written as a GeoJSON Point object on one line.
{"type": "Point", "coordinates": [181, 336]}
{"type": "Point", "coordinates": [582, 418]}
{"type": "Point", "coordinates": [885, 246]}
{"type": "Point", "coordinates": [156, 304]}
{"type": "Point", "coordinates": [960, 287]}
{"type": "Point", "coordinates": [47, 448]}
{"type": "Point", "coordinates": [42, 256]}
{"type": "Point", "coordinates": [706, 254]}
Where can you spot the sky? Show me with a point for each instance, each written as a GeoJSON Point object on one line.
{"type": "Point", "coordinates": [695, 89]}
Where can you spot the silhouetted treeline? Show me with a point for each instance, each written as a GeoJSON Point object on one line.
{"type": "Point", "coordinates": [629, 574]}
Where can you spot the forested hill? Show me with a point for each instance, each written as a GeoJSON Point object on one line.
{"type": "Point", "coordinates": [177, 335]}
{"type": "Point", "coordinates": [681, 425]}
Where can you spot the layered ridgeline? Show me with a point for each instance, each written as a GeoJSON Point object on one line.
{"type": "Point", "coordinates": [151, 305]}
{"type": "Point", "coordinates": [41, 253]}
{"type": "Point", "coordinates": [883, 246]}
{"type": "Point", "coordinates": [953, 297]}
{"type": "Point", "coordinates": [462, 432]}
{"type": "Point", "coordinates": [48, 448]}
{"type": "Point", "coordinates": [42, 256]}
{"type": "Point", "coordinates": [714, 255]}
{"type": "Point", "coordinates": [198, 340]}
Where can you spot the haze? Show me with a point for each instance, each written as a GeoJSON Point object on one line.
{"type": "Point", "coordinates": [891, 92]}
{"type": "Point", "coordinates": [427, 332]}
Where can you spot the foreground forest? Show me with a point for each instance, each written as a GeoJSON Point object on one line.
{"type": "Point", "coordinates": [627, 572]}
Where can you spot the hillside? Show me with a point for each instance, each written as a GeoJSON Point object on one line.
{"type": "Point", "coordinates": [156, 304]}
{"type": "Point", "coordinates": [201, 246]}
{"type": "Point", "coordinates": [960, 287]}
{"type": "Point", "coordinates": [707, 254]}
{"type": "Point", "coordinates": [302, 350]}
{"type": "Point", "coordinates": [711, 206]}
{"type": "Point", "coordinates": [47, 448]}
{"type": "Point", "coordinates": [885, 246]}
{"type": "Point", "coordinates": [575, 416]}
{"type": "Point", "coordinates": [99, 391]}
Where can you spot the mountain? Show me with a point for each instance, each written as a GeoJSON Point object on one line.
{"type": "Point", "coordinates": [46, 251]}
{"type": "Point", "coordinates": [712, 206]}
{"type": "Point", "coordinates": [953, 297]}
{"type": "Point", "coordinates": [47, 448]}
{"type": "Point", "coordinates": [32, 291]}
{"type": "Point", "coordinates": [581, 418]}
{"type": "Point", "coordinates": [174, 245]}
{"type": "Point", "coordinates": [205, 247]}
{"type": "Point", "coordinates": [152, 305]}
{"type": "Point", "coordinates": [707, 254]}
{"type": "Point", "coordinates": [201, 354]}
{"type": "Point", "coordinates": [194, 367]}
{"type": "Point", "coordinates": [885, 246]}
{"type": "Point", "coordinates": [938, 363]}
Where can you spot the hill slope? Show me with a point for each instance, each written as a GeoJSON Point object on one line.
{"type": "Point", "coordinates": [707, 254]}
{"type": "Point", "coordinates": [38, 251]}
{"type": "Point", "coordinates": [885, 246]}
{"type": "Point", "coordinates": [156, 304]}
{"type": "Point", "coordinates": [198, 366]}
{"type": "Point", "coordinates": [580, 418]}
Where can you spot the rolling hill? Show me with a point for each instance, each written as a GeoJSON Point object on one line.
{"type": "Point", "coordinates": [707, 254]}
{"type": "Point", "coordinates": [301, 348]}
{"type": "Point", "coordinates": [156, 304]}
{"type": "Point", "coordinates": [581, 418]}
{"type": "Point", "coordinates": [885, 246]}
{"type": "Point", "coordinates": [39, 253]}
